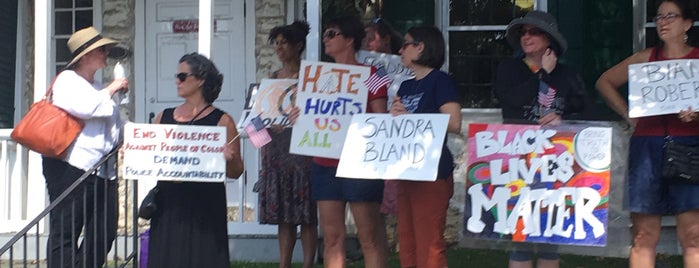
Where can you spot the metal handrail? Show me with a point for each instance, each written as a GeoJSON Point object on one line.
{"type": "Point", "coordinates": [34, 222]}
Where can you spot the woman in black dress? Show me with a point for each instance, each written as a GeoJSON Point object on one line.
{"type": "Point", "coordinates": [189, 228]}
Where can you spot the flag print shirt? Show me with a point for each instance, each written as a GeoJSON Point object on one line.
{"type": "Point", "coordinates": [526, 93]}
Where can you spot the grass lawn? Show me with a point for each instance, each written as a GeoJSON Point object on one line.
{"type": "Point", "coordinates": [462, 257]}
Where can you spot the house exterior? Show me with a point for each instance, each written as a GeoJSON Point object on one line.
{"type": "Point", "coordinates": [158, 32]}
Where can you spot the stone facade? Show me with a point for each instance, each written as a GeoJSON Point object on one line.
{"type": "Point", "coordinates": [268, 14]}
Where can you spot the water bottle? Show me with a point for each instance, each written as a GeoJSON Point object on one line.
{"type": "Point", "coordinates": [120, 73]}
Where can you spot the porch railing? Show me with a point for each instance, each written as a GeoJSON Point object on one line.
{"type": "Point", "coordinates": [28, 246]}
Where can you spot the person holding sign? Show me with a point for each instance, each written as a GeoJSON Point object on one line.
{"type": "Point", "coordinates": [284, 184]}
{"type": "Point", "coordinates": [649, 196]}
{"type": "Point", "coordinates": [422, 205]}
{"type": "Point", "coordinates": [534, 88]}
{"type": "Point", "coordinates": [342, 38]}
{"type": "Point", "coordinates": [190, 227]}
{"type": "Point", "coordinates": [76, 91]}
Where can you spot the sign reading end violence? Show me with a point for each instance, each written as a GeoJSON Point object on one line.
{"type": "Point", "coordinates": [382, 146]}
{"type": "Point", "coordinates": [533, 184]}
{"type": "Point", "coordinates": [174, 152]}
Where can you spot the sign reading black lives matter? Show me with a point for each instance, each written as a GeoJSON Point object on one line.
{"type": "Point", "coordinates": [382, 146]}
{"type": "Point", "coordinates": [663, 87]}
{"type": "Point", "coordinates": [174, 152]}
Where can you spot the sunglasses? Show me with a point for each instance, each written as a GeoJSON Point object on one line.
{"type": "Point", "coordinates": [669, 17]}
{"type": "Point", "coordinates": [330, 34]}
{"type": "Point", "coordinates": [182, 76]}
{"type": "Point", "coordinates": [406, 44]}
{"type": "Point", "coordinates": [532, 31]}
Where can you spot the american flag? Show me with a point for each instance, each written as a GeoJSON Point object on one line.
{"type": "Point", "coordinates": [257, 133]}
{"type": "Point", "coordinates": [546, 99]}
{"type": "Point", "coordinates": [377, 80]}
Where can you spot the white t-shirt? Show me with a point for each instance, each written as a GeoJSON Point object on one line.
{"type": "Point", "coordinates": [100, 113]}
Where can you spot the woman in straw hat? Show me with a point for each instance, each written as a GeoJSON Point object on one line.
{"type": "Point", "coordinates": [648, 195]}
{"type": "Point", "coordinates": [533, 88]}
{"type": "Point", "coordinates": [76, 91]}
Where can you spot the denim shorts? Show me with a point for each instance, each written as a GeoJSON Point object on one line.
{"type": "Point", "coordinates": [325, 186]}
{"type": "Point", "coordinates": [526, 251]}
{"type": "Point", "coordinates": [646, 191]}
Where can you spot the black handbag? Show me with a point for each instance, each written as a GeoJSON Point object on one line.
{"type": "Point", "coordinates": [149, 206]}
{"type": "Point", "coordinates": [681, 162]}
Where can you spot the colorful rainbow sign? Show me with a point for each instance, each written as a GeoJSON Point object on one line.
{"type": "Point", "coordinates": [528, 183]}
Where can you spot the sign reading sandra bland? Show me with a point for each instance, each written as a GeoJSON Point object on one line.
{"type": "Point", "coordinates": [174, 152]}
{"type": "Point", "coordinates": [663, 87]}
{"type": "Point", "coordinates": [528, 183]}
{"type": "Point", "coordinates": [382, 146]}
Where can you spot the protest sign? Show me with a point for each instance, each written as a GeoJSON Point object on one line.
{"type": "Point", "coordinates": [273, 102]}
{"type": "Point", "coordinates": [392, 64]}
{"type": "Point", "coordinates": [328, 95]}
{"type": "Point", "coordinates": [528, 183]}
{"type": "Point", "coordinates": [174, 152]}
{"type": "Point", "coordinates": [382, 146]}
{"type": "Point", "coordinates": [663, 87]}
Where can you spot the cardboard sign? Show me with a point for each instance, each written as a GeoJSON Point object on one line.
{"type": "Point", "coordinates": [328, 95]}
{"type": "Point", "coordinates": [382, 146]}
{"type": "Point", "coordinates": [528, 183]}
{"type": "Point", "coordinates": [273, 102]}
{"type": "Point", "coordinates": [663, 87]}
{"type": "Point", "coordinates": [174, 152]}
{"type": "Point", "coordinates": [392, 64]}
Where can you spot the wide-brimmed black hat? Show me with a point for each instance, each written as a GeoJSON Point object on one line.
{"type": "Point", "coordinates": [541, 20]}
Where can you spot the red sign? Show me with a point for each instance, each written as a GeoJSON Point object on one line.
{"type": "Point", "coordinates": [187, 26]}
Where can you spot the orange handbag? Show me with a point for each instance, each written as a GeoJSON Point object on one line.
{"type": "Point", "coordinates": [47, 129]}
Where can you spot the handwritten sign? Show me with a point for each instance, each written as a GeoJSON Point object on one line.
{"type": "Point", "coordinates": [174, 152]}
{"type": "Point", "coordinates": [529, 183]}
{"type": "Point", "coordinates": [392, 64]}
{"type": "Point", "coordinates": [273, 102]}
{"type": "Point", "coordinates": [663, 87]}
{"type": "Point", "coordinates": [382, 146]}
{"type": "Point", "coordinates": [328, 95]}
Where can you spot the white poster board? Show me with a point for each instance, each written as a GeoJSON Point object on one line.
{"type": "Point", "coordinates": [328, 95]}
{"type": "Point", "coordinates": [663, 87]}
{"type": "Point", "coordinates": [392, 64]}
{"type": "Point", "coordinates": [273, 102]}
{"type": "Point", "coordinates": [382, 146]}
{"type": "Point", "coordinates": [174, 152]}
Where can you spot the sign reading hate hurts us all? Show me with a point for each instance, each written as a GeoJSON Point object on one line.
{"type": "Point", "coordinates": [382, 146]}
{"type": "Point", "coordinates": [663, 87]}
{"type": "Point", "coordinates": [174, 152]}
{"type": "Point", "coordinates": [328, 95]}
{"type": "Point", "coordinates": [528, 183]}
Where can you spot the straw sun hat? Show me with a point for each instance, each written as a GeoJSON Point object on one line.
{"type": "Point", "coordinates": [84, 41]}
{"type": "Point", "coordinates": [541, 20]}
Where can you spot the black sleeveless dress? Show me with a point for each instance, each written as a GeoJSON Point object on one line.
{"type": "Point", "coordinates": [190, 227]}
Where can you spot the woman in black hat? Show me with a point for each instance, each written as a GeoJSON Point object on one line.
{"type": "Point", "coordinates": [650, 196]}
{"type": "Point", "coordinates": [533, 88]}
{"type": "Point", "coordinates": [76, 91]}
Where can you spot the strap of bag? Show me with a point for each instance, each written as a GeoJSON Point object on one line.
{"type": "Point", "coordinates": [49, 92]}
{"type": "Point", "coordinates": [198, 114]}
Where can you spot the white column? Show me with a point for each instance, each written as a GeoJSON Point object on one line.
{"type": "Point", "coordinates": [206, 26]}
{"type": "Point", "coordinates": [313, 40]}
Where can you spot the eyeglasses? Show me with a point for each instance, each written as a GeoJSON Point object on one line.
{"type": "Point", "coordinates": [406, 44]}
{"type": "Point", "coordinates": [331, 34]}
{"type": "Point", "coordinates": [182, 76]}
{"type": "Point", "coordinates": [376, 20]}
{"type": "Point", "coordinates": [531, 31]}
{"type": "Point", "coordinates": [669, 17]}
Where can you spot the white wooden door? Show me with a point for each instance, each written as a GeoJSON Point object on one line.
{"type": "Point", "coordinates": [171, 31]}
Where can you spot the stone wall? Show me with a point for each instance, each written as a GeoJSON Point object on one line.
{"type": "Point", "coordinates": [268, 14]}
